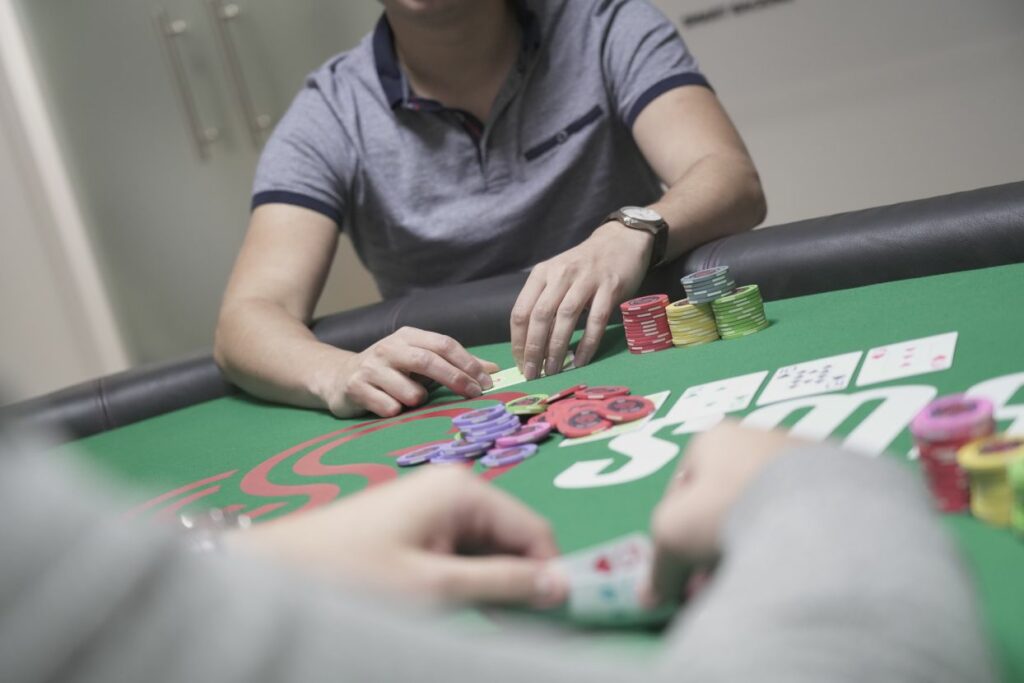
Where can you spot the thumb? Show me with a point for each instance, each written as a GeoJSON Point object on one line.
{"type": "Point", "coordinates": [499, 579]}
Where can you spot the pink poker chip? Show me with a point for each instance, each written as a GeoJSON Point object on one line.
{"type": "Point", "coordinates": [953, 418]}
{"type": "Point", "coordinates": [529, 433]}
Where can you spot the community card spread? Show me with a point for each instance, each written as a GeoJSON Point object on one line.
{"type": "Point", "coordinates": [723, 396]}
{"type": "Point", "coordinates": [812, 377]}
{"type": "Point", "coordinates": [605, 583]}
{"type": "Point", "coordinates": [909, 358]}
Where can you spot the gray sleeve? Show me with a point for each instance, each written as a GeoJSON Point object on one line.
{"type": "Point", "coordinates": [309, 160]}
{"type": "Point", "coordinates": [807, 594]}
{"type": "Point", "coordinates": [643, 56]}
{"type": "Point", "coordinates": [835, 568]}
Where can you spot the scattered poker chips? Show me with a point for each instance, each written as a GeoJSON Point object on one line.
{"type": "Point", "coordinates": [940, 430]}
{"type": "Point", "coordinates": [626, 408]}
{"type": "Point", "coordinates": [419, 456]}
{"type": "Point", "coordinates": [496, 436]}
{"type": "Point", "coordinates": [564, 394]}
{"type": "Point", "coordinates": [709, 284]}
{"type": "Point", "coordinates": [500, 457]}
{"type": "Point", "coordinates": [582, 419]}
{"type": "Point", "coordinates": [740, 313]}
{"type": "Point", "coordinates": [986, 461]}
{"type": "Point", "coordinates": [601, 392]}
{"type": "Point", "coordinates": [646, 324]}
{"type": "Point", "coordinates": [526, 434]}
{"type": "Point", "coordinates": [691, 324]}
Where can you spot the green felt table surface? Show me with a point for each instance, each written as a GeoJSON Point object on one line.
{"type": "Point", "coordinates": [272, 460]}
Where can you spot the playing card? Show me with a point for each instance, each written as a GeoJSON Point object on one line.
{"type": "Point", "coordinates": [605, 582]}
{"type": "Point", "coordinates": [812, 377]}
{"type": "Point", "coordinates": [716, 398]}
{"type": "Point", "coordinates": [511, 376]}
{"type": "Point", "coordinates": [909, 358]}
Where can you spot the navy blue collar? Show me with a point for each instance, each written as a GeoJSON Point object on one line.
{"type": "Point", "coordinates": [392, 80]}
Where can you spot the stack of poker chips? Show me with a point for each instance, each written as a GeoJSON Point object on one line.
{"type": "Point", "coordinates": [646, 324]}
{"type": "Point", "coordinates": [740, 313]}
{"type": "Point", "coordinates": [709, 284]}
{"type": "Point", "coordinates": [691, 324]}
{"type": "Point", "coordinates": [493, 434]}
{"type": "Point", "coordinates": [986, 462]}
{"type": "Point", "coordinates": [1015, 473]}
{"type": "Point", "coordinates": [943, 427]}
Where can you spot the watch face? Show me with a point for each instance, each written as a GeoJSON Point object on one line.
{"type": "Point", "coordinates": [641, 213]}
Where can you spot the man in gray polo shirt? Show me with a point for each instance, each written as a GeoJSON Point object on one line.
{"type": "Point", "coordinates": [468, 138]}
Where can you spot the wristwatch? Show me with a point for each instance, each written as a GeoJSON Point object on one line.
{"type": "Point", "coordinates": [648, 220]}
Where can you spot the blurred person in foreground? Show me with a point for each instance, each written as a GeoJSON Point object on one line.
{"type": "Point", "coordinates": [829, 566]}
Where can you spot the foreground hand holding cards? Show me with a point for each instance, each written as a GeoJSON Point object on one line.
{"type": "Point", "coordinates": [605, 583]}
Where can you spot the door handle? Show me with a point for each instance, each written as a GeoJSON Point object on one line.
{"type": "Point", "coordinates": [170, 31]}
{"type": "Point", "coordinates": [256, 122]}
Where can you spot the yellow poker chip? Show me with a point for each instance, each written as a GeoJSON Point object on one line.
{"type": "Point", "coordinates": [534, 404]}
{"type": "Point", "coordinates": [986, 462]}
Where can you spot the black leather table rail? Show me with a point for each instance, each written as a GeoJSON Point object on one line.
{"type": "Point", "coordinates": [961, 231]}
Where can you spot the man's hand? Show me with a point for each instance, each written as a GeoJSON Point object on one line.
{"type": "Point", "coordinates": [440, 535]}
{"type": "Point", "coordinates": [389, 375]}
{"type": "Point", "coordinates": [718, 467]}
{"type": "Point", "coordinates": [597, 274]}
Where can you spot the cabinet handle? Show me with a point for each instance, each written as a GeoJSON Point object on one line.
{"type": "Point", "coordinates": [170, 31]}
{"type": "Point", "coordinates": [256, 122]}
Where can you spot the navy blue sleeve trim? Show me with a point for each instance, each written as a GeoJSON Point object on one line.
{"type": "Point", "coordinates": [296, 199]}
{"type": "Point", "coordinates": [662, 87]}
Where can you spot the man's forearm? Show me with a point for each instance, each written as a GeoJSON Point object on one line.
{"type": "Point", "coordinates": [270, 354]}
{"type": "Point", "coordinates": [719, 195]}
{"type": "Point", "coordinates": [835, 567]}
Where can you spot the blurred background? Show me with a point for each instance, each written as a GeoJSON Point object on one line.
{"type": "Point", "coordinates": [130, 129]}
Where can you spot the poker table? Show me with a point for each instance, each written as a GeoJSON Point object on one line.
{"type": "Point", "coordinates": [271, 460]}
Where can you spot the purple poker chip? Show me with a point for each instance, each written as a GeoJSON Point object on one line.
{"type": "Point", "coordinates": [443, 458]}
{"type": "Point", "coordinates": [419, 456]}
{"type": "Point", "coordinates": [494, 425]}
{"type": "Point", "coordinates": [530, 433]}
{"type": "Point", "coordinates": [464, 449]}
{"type": "Point", "coordinates": [479, 416]}
{"type": "Point", "coordinates": [499, 457]}
{"type": "Point", "coordinates": [493, 434]}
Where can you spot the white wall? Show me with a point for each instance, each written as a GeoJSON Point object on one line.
{"type": "Point", "coordinates": [847, 104]}
{"type": "Point", "coordinates": [56, 326]}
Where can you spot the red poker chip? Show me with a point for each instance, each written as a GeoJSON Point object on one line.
{"type": "Point", "coordinates": [539, 419]}
{"type": "Point", "coordinates": [602, 393]}
{"type": "Point", "coordinates": [646, 346]}
{"type": "Point", "coordinates": [581, 420]}
{"type": "Point", "coordinates": [556, 410]}
{"type": "Point", "coordinates": [564, 393]}
{"type": "Point", "coordinates": [655, 350]}
{"type": "Point", "coordinates": [626, 408]}
{"type": "Point", "coordinates": [644, 303]}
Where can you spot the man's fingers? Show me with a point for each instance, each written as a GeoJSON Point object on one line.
{"type": "Point", "coordinates": [415, 359]}
{"type": "Point", "coordinates": [565, 323]}
{"type": "Point", "coordinates": [453, 352]}
{"type": "Point", "coordinates": [597, 321]}
{"type": "Point", "coordinates": [402, 388]}
{"type": "Point", "coordinates": [491, 520]}
{"type": "Point", "coordinates": [541, 321]}
{"type": "Point", "coordinates": [497, 580]}
{"type": "Point", "coordinates": [375, 401]}
{"type": "Point", "coordinates": [520, 319]}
